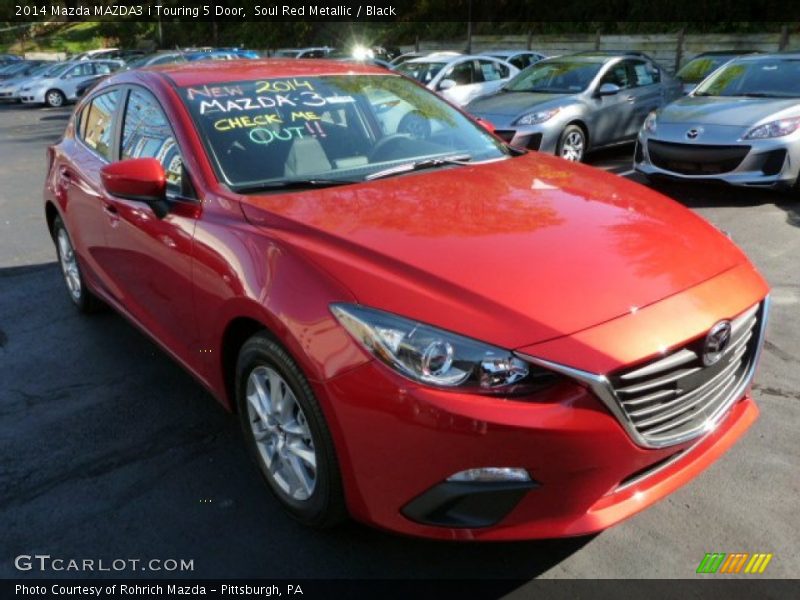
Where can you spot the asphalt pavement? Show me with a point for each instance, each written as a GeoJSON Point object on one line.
{"type": "Point", "coordinates": [109, 450]}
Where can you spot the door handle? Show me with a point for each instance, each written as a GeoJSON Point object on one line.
{"type": "Point", "coordinates": [65, 174]}
{"type": "Point", "coordinates": [630, 98]}
{"type": "Point", "coordinates": [110, 209]}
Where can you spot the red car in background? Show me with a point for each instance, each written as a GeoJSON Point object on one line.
{"type": "Point", "coordinates": [418, 325]}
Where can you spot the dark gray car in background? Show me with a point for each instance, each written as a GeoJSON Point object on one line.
{"type": "Point", "coordinates": [570, 104]}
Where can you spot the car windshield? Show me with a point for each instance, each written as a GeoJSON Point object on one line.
{"type": "Point", "coordinates": [141, 60]}
{"type": "Point", "coordinates": [342, 128]}
{"type": "Point", "coordinates": [424, 72]}
{"type": "Point", "coordinates": [56, 70]}
{"type": "Point", "coordinates": [14, 68]}
{"type": "Point", "coordinates": [555, 77]}
{"type": "Point", "coordinates": [767, 78]}
{"type": "Point", "coordinates": [698, 68]}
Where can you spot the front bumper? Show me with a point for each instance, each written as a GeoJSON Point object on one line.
{"type": "Point", "coordinates": [397, 441]}
{"type": "Point", "coordinates": [757, 163]}
{"type": "Point", "coordinates": [35, 96]}
{"type": "Point", "coordinates": [9, 94]}
{"type": "Point", "coordinates": [532, 137]}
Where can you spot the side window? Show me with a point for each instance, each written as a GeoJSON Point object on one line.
{"type": "Point", "coordinates": [96, 127]}
{"type": "Point", "coordinates": [618, 75]}
{"type": "Point", "coordinates": [492, 71]}
{"type": "Point", "coordinates": [462, 73]}
{"type": "Point", "coordinates": [102, 68]}
{"type": "Point", "coordinates": [645, 73]}
{"type": "Point", "coordinates": [520, 61]}
{"type": "Point", "coordinates": [81, 70]}
{"type": "Point", "coordinates": [146, 134]}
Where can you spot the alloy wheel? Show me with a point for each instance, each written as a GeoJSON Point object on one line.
{"type": "Point", "coordinates": [69, 265]}
{"type": "Point", "coordinates": [281, 433]}
{"type": "Point", "coordinates": [573, 146]}
{"type": "Point", "coordinates": [55, 99]}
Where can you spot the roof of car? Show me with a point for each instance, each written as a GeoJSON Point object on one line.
{"type": "Point", "coordinates": [774, 56]}
{"type": "Point", "coordinates": [201, 72]}
{"type": "Point", "coordinates": [727, 53]}
{"type": "Point", "coordinates": [508, 52]}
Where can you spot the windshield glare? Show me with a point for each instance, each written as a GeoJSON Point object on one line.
{"type": "Point", "coordinates": [555, 77]}
{"type": "Point", "coordinates": [698, 68]}
{"type": "Point", "coordinates": [424, 72]}
{"type": "Point", "coordinates": [328, 128]}
{"type": "Point", "coordinates": [775, 77]}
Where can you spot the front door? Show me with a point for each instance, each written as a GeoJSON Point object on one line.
{"type": "Point", "coordinates": [149, 256]}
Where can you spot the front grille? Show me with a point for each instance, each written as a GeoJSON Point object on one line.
{"type": "Point", "coordinates": [676, 397]}
{"type": "Point", "coordinates": [695, 159]}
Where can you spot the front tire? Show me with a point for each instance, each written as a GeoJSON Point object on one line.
{"type": "Point", "coordinates": [55, 98]}
{"type": "Point", "coordinates": [79, 293]}
{"type": "Point", "coordinates": [286, 433]}
{"type": "Point", "coordinates": [572, 144]}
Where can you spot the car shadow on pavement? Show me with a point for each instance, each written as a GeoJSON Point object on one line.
{"type": "Point", "coordinates": [110, 449]}
{"type": "Point", "coordinates": [709, 195]}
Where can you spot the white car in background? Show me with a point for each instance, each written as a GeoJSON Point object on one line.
{"type": "Point", "coordinates": [59, 85]}
{"type": "Point", "coordinates": [460, 79]}
{"type": "Point", "coordinates": [522, 59]}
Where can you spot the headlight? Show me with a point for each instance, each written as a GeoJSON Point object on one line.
{"type": "Point", "coordinates": [773, 129]}
{"type": "Point", "coordinates": [535, 118]}
{"type": "Point", "coordinates": [650, 122]}
{"type": "Point", "coordinates": [439, 358]}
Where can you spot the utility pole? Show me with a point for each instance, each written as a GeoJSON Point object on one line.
{"type": "Point", "coordinates": [469, 27]}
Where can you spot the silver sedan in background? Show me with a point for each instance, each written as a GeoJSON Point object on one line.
{"type": "Point", "coordinates": [741, 126]}
{"type": "Point", "coordinates": [459, 78]}
{"type": "Point", "coordinates": [570, 104]}
{"type": "Point", "coordinates": [60, 85]}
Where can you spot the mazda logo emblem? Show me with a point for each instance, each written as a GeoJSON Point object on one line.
{"type": "Point", "coordinates": [693, 133]}
{"type": "Point", "coordinates": [716, 342]}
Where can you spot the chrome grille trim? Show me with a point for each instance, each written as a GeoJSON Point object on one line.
{"type": "Point", "coordinates": [676, 416]}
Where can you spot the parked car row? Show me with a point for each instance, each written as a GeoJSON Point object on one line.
{"type": "Point", "coordinates": [56, 83]}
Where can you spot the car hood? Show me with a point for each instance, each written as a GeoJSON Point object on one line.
{"type": "Point", "coordinates": [512, 252]}
{"type": "Point", "coordinates": [506, 106]}
{"type": "Point", "coordinates": [39, 81]}
{"type": "Point", "coordinates": [739, 112]}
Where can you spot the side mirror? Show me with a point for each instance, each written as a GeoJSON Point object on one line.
{"type": "Point", "coordinates": [138, 179]}
{"type": "Point", "coordinates": [608, 89]}
{"type": "Point", "coordinates": [447, 84]}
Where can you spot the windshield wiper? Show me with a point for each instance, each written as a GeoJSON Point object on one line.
{"type": "Point", "coordinates": [428, 163]}
{"type": "Point", "coordinates": [292, 184]}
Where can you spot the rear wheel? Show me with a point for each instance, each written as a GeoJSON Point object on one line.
{"type": "Point", "coordinates": [286, 433]}
{"type": "Point", "coordinates": [76, 286]}
{"type": "Point", "coordinates": [55, 98]}
{"type": "Point", "coordinates": [572, 144]}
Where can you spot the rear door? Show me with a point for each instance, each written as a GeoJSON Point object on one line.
{"type": "Point", "coordinates": [492, 74]}
{"type": "Point", "coordinates": [79, 180]}
{"type": "Point", "coordinates": [612, 115]}
{"type": "Point", "coordinates": [73, 77]}
{"type": "Point", "coordinates": [646, 90]}
{"type": "Point", "coordinates": [464, 75]}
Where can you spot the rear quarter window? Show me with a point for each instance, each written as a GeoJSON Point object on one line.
{"type": "Point", "coordinates": [96, 126]}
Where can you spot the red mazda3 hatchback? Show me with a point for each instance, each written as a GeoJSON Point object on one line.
{"type": "Point", "coordinates": [418, 325]}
